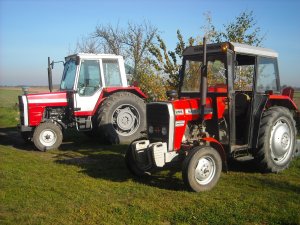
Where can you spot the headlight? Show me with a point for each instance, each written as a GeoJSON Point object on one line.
{"type": "Point", "coordinates": [150, 129]}
{"type": "Point", "coordinates": [164, 131]}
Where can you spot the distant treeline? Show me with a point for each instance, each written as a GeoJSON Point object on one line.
{"type": "Point", "coordinates": [56, 86]}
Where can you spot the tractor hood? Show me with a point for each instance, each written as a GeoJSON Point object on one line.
{"type": "Point", "coordinates": [32, 106]}
{"type": "Point", "coordinates": [47, 99]}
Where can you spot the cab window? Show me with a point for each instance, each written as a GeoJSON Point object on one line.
{"type": "Point", "coordinates": [267, 75]}
{"type": "Point", "coordinates": [111, 72]}
{"type": "Point", "coordinates": [89, 77]}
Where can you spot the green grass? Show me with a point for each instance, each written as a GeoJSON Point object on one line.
{"type": "Point", "coordinates": [9, 116]}
{"type": "Point", "coordinates": [297, 99]}
{"type": "Point", "coordinates": [87, 183]}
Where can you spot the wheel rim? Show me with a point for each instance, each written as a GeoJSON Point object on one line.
{"type": "Point", "coordinates": [126, 119]}
{"type": "Point", "coordinates": [48, 137]}
{"type": "Point", "coordinates": [281, 141]}
{"type": "Point", "coordinates": [205, 170]}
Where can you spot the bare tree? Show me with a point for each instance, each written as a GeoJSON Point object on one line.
{"type": "Point", "coordinates": [110, 38]}
{"type": "Point", "coordinates": [88, 45]}
{"type": "Point", "coordinates": [133, 42]}
{"type": "Point", "coordinates": [138, 39]}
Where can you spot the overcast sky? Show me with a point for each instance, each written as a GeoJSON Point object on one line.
{"type": "Point", "coordinates": [32, 30]}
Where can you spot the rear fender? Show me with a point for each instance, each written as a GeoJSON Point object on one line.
{"type": "Point", "coordinates": [281, 100]}
{"type": "Point", "coordinates": [133, 90]}
{"type": "Point", "coordinates": [287, 102]}
{"type": "Point", "coordinates": [111, 90]}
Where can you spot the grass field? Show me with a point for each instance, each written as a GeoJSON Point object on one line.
{"type": "Point", "coordinates": [87, 183]}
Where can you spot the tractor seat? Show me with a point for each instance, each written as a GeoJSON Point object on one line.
{"type": "Point", "coordinates": [242, 101]}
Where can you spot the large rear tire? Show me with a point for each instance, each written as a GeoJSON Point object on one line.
{"type": "Point", "coordinates": [202, 168]}
{"type": "Point", "coordinates": [121, 118]}
{"type": "Point", "coordinates": [47, 136]}
{"type": "Point", "coordinates": [276, 140]}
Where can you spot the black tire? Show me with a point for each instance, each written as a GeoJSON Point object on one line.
{"type": "Point", "coordinates": [121, 118]}
{"type": "Point", "coordinates": [133, 166]}
{"type": "Point", "coordinates": [47, 136]}
{"type": "Point", "coordinates": [276, 140]}
{"type": "Point", "coordinates": [202, 168]}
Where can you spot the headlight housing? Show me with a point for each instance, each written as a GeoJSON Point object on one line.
{"type": "Point", "coordinates": [164, 131]}
{"type": "Point", "coordinates": [150, 129]}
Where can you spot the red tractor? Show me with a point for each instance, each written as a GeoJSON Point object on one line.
{"type": "Point", "coordinates": [93, 97]}
{"type": "Point", "coordinates": [229, 105]}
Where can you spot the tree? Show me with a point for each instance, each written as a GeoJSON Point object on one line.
{"type": "Point", "coordinates": [167, 62]}
{"type": "Point", "coordinates": [242, 30]}
{"type": "Point", "coordinates": [133, 43]}
{"type": "Point", "coordinates": [87, 45]}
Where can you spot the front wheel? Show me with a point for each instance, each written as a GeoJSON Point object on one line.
{"type": "Point", "coordinates": [202, 168]}
{"type": "Point", "coordinates": [47, 136]}
{"type": "Point", "coordinates": [139, 168]}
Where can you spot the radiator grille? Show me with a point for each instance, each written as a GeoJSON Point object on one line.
{"type": "Point", "coordinates": [21, 109]}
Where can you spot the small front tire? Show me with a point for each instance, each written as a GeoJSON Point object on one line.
{"type": "Point", "coordinates": [202, 168]}
{"type": "Point", "coordinates": [47, 136]}
{"type": "Point", "coordinates": [136, 168]}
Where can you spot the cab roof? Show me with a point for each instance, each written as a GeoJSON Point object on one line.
{"type": "Point", "coordinates": [93, 56]}
{"type": "Point", "coordinates": [236, 47]}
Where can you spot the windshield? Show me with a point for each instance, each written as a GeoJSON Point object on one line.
{"type": "Point", "coordinates": [68, 78]}
{"type": "Point", "coordinates": [216, 73]}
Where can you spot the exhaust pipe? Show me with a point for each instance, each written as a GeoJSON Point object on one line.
{"type": "Point", "coordinates": [203, 88]}
{"type": "Point", "coordinates": [50, 75]}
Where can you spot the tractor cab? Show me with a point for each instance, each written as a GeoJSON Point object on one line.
{"type": "Point", "coordinates": [239, 77]}
{"type": "Point", "coordinates": [229, 105]}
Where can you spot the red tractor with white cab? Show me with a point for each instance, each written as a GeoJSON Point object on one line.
{"type": "Point", "coordinates": [229, 105]}
{"type": "Point", "coordinates": [94, 97]}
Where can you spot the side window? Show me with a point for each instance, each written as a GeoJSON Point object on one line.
{"type": "Point", "coordinates": [267, 74]}
{"type": "Point", "coordinates": [216, 73]}
{"type": "Point", "coordinates": [89, 77]}
{"type": "Point", "coordinates": [191, 79]}
{"type": "Point", "coordinates": [111, 72]}
{"type": "Point", "coordinates": [244, 72]}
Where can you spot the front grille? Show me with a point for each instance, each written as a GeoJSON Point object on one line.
{"type": "Point", "coordinates": [158, 117]}
{"type": "Point", "coordinates": [21, 109]}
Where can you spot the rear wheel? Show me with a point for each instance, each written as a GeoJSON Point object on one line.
{"type": "Point", "coordinates": [202, 168]}
{"type": "Point", "coordinates": [277, 140]}
{"type": "Point", "coordinates": [121, 118]}
{"type": "Point", "coordinates": [47, 136]}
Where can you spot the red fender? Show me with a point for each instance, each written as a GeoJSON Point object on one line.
{"type": "Point", "coordinates": [218, 146]}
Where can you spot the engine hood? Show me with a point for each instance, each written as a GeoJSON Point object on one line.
{"type": "Point", "coordinates": [48, 99]}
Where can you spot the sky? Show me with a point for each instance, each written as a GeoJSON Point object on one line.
{"type": "Point", "coordinates": [32, 30]}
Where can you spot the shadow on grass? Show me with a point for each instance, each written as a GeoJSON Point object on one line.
{"type": "Point", "coordinates": [10, 136]}
{"type": "Point", "coordinates": [107, 162]}
{"type": "Point", "coordinates": [246, 165]}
